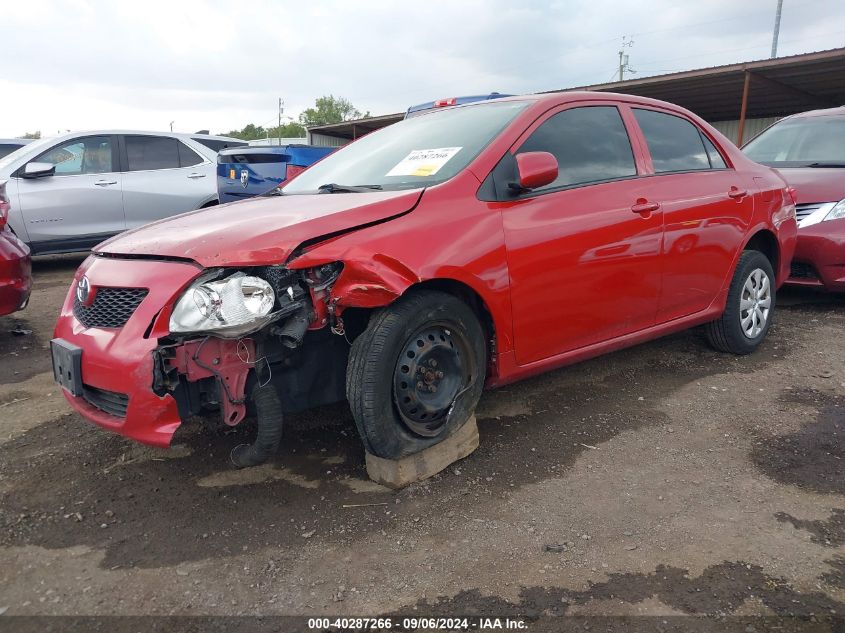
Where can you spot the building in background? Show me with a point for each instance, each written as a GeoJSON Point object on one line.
{"type": "Point", "coordinates": [740, 100]}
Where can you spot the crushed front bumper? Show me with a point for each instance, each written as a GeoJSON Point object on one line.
{"type": "Point", "coordinates": [819, 259]}
{"type": "Point", "coordinates": [116, 365]}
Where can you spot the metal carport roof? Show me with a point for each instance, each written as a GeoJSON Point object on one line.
{"type": "Point", "coordinates": [765, 88]}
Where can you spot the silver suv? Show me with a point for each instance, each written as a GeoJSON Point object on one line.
{"type": "Point", "coordinates": [70, 192]}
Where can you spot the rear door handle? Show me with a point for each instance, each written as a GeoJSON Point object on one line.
{"type": "Point", "coordinates": [105, 183]}
{"type": "Point", "coordinates": [643, 206]}
{"type": "Point", "coordinates": [195, 176]}
{"type": "Point", "coordinates": [736, 193]}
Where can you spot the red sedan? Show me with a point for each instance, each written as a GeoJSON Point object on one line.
{"type": "Point", "coordinates": [808, 149]}
{"type": "Point", "coordinates": [15, 265]}
{"type": "Point", "coordinates": [470, 246]}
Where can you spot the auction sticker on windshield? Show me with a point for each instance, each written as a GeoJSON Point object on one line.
{"type": "Point", "coordinates": [424, 162]}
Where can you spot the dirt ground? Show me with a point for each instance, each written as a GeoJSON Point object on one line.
{"type": "Point", "coordinates": [664, 479]}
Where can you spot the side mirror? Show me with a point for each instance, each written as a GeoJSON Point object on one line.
{"type": "Point", "coordinates": [535, 169]}
{"type": "Point", "coordinates": [38, 170]}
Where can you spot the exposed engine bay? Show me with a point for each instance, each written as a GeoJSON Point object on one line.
{"type": "Point", "coordinates": [288, 354]}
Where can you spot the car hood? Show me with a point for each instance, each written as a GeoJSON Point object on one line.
{"type": "Point", "coordinates": [815, 184]}
{"type": "Point", "coordinates": [259, 231]}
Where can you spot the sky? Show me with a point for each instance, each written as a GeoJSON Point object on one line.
{"type": "Point", "coordinates": [219, 65]}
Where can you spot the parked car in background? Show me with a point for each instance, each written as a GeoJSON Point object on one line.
{"type": "Point", "coordinates": [478, 244]}
{"type": "Point", "coordinates": [15, 265]}
{"type": "Point", "coordinates": [449, 102]}
{"type": "Point", "coordinates": [808, 149]}
{"type": "Point", "coordinates": [71, 192]}
{"type": "Point", "coordinates": [9, 145]}
{"type": "Point", "coordinates": [244, 172]}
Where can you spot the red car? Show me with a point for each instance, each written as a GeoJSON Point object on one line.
{"type": "Point", "coordinates": [473, 245]}
{"type": "Point", "coordinates": [808, 149]}
{"type": "Point", "coordinates": [15, 264]}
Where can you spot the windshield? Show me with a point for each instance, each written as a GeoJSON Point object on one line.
{"type": "Point", "coordinates": [416, 152]}
{"type": "Point", "coordinates": [24, 150]}
{"type": "Point", "coordinates": [817, 141]}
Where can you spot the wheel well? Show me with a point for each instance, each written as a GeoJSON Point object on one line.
{"type": "Point", "coordinates": [356, 319]}
{"type": "Point", "coordinates": [766, 243]}
{"type": "Point", "coordinates": [466, 294]}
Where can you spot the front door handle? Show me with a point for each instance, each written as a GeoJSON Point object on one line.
{"type": "Point", "coordinates": [644, 206]}
{"type": "Point", "coordinates": [195, 176]}
{"type": "Point", "coordinates": [105, 183]}
{"type": "Point", "coordinates": [737, 193]}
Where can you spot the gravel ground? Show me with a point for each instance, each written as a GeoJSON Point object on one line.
{"type": "Point", "coordinates": [664, 479]}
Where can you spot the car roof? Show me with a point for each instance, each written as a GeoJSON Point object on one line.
{"type": "Point", "coordinates": [145, 133]}
{"type": "Point", "coordinates": [840, 111]}
{"type": "Point", "coordinates": [550, 99]}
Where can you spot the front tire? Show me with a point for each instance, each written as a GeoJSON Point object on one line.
{"type": "Point", "coordinates": [416, 373]}
{"type": "Point", "coordinates": [750, 307]}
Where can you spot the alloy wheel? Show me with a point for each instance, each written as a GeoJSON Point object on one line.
{"type": "Point", "coordinates": [755, 303]}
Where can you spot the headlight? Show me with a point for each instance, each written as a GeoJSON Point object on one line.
{"type": "Point", "coordinates": [837, 212]}
{"type": "Point", "coordinates": [229, 308]}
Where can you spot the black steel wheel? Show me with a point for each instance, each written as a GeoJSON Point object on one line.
{"type": "Point", "coordinates": [416, 373]}
{"type": "Point", "coordinates": [436, 364]}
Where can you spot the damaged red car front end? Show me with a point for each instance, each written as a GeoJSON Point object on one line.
{"type": "Point", "coordinates": [123, 368]}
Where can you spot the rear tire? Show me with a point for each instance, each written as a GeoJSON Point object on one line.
{"type": "Point", "coordinates": [749, 309]}
{"type": "Point", "coordinates": [416, 373]}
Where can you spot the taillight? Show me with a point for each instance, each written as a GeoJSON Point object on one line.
{"type": "Point", "coordinates": [294, 170]}
{"type": "Point", "coordinates": [5, 205]}
{"type": "Point", "coordinates": [442, 103]}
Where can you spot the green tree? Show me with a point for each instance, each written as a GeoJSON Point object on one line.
{"type": "Point", "coordinates": [330, 109]}
{"type": "Point", "coordinates": [36, 134]}
{"type": "Point", "coordinates": [250, 132]}
{"type": "Point", "coordinates": [288, 130]}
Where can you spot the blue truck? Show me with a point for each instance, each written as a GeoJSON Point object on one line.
{"type": "Point", "coordinates": [245, 172]}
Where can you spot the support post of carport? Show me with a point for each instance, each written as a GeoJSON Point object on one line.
{"type": "Point", "coordinates": [743, 108]}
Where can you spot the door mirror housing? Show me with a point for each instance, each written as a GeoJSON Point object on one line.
{"type": "Point", "coordinates": [535, 169]}
{"type": "Point", "coordinates": [38, 170]}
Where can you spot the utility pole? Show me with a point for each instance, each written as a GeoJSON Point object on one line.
{"type": "Point", "coordinates": [623, 58]}
{"type": "Point", "coordinates": [281, 111]}
{"type": "Point", "coordinates": [171, 125]}
{"type": "Point", "coordinates": [777, 29]}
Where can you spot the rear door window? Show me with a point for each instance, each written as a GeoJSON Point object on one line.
{"type": "Point", "coordinates": [151, 152]}
{"type": "Point", "coordinates": [674, 143]}
{"type": "Point", "coordinates": [590, 144]}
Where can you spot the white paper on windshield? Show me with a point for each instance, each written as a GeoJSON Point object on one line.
{"type": "Point", "coordinates": [424, 162]}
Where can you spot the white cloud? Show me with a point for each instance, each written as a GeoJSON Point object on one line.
{"type": "Point", "coordinates": [212, 64]}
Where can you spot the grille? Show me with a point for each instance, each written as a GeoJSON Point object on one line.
{"type": "Point", "coordinates": [803, 210]}
{"type": "Point", "coordinates": [111, 308]}
{"type": "Point", "coordinates": [108, 401]}
{"type": "Point", "coordinates": [800, 270]}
